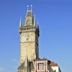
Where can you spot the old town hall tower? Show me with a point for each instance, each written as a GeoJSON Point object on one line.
{"type": "Point", "coordinates": [29, 34]}
{"type": "Point", "coordinates": [29, 48]}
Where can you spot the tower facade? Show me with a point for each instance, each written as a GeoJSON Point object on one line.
{"type": "Point", "coordinates": [29, 34]}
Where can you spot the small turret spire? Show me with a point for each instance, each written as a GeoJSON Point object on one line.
{"type": "Point", "coordinates": [20, 22]}
{"type": "Point", "coordinates": [34, 21]}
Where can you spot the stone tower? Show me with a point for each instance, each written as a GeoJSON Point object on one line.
{"type": "Point", "coordinates": [29, 51]}
{"type": "Point", "coordinates": [29, 34]}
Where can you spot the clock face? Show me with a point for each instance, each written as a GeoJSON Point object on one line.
{"type": "Point", "coordinates": [24, 37]}
{"type": "Point", "coordinates": [27, 37]}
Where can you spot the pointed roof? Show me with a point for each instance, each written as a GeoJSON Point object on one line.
{"type": "Point", "coordinates": [20, 22]}
{"type": "Point", "coordinates": [29, 19]}
{"type": "Point", "coordinates": [29, 10]}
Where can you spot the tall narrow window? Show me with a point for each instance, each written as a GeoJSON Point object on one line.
{"type": "Point", "coordinates": [41, 66]}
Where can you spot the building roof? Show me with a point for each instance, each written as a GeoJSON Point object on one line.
{"type": "Point", "coordinates": [53, 64]}
{"type": "Point", "coordinates": [49, 61]}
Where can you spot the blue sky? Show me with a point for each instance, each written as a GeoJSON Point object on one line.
{"type": "Point", "coordinates": [54, 18]}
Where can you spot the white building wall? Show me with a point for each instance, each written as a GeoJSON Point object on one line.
{"type": "Point", "coordinates": [49, 69]}
{"type": "Point", "coordinates": [55, 68]}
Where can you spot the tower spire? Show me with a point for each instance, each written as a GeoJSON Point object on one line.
{"type": "Point", "coordinates": [29, 20]}
{"type": "Point", "coordinates": [20, 22]}
{"type": "Point", "coordinates": [34, 21]}
{"type": "Point", "coordinates": [29, 10]}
